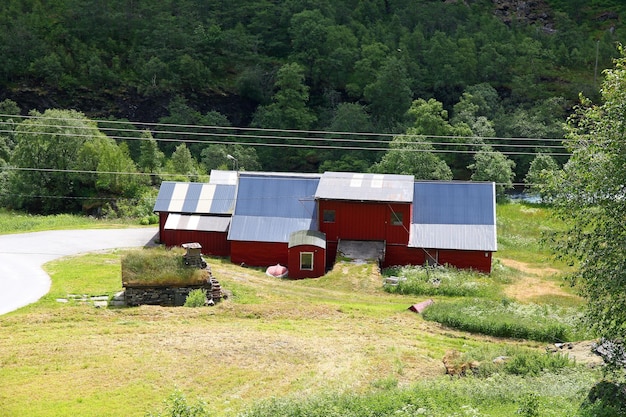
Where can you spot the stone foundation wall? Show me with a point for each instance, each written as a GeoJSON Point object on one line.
{"type": "Point", "coordinates": [163, 296]}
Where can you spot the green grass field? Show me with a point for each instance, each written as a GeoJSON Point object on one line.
{"type": "Point", "coordinates": [337, 345]}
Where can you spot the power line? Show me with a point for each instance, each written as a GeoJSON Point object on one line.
{"type": "Point", "coordinates": [277, 131]}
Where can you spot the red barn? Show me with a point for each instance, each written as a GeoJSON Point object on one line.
{"type": "Point", "coordinates": [366, 207]}
{"type": "Point", "coordinates": [198, 212]}
{"type": "Point", "coordinates": [269, 208]}
{"type": "Point", "coordinates": [453, 223]}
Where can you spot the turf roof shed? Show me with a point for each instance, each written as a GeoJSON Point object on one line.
{"type": "Point", "coordinates": [269, 207]}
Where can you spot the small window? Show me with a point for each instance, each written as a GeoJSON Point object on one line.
{"type": "Point", "coordinates": [329, 216]}
{"type": "Point", "coordinates": [396, 219]}
{"type": "Point", "coordinates": [306, 261]}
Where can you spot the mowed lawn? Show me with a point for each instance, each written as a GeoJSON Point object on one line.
{"type": "Point", "coordinates": [270, 338]}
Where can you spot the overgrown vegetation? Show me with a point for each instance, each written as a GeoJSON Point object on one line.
{"type": "Point", "coordinates": [444, 281]}
{"type": "Point", "coordinates": [196, 298]}
{"type": "Point", "coordinates": [508, 319]}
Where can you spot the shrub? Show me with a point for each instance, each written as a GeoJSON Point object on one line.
{"type": "Point", "coordinates": [177, 406]}
{"type": "Point", "coordinates": [196, 298]}
{"type": "Point", "coordinates": [513, 360]}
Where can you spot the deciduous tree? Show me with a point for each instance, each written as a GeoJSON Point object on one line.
{"type": "Point", "coordinates": [591, 198]}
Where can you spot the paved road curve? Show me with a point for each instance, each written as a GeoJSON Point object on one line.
{"type": "Point", "coordinates": [23, 281]}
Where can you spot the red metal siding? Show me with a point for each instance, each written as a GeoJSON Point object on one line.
{"type": "Point", "coordinates": [162, 220]}
{"type": "Point", "coordinates": [213, 243]}
{"type": "Point", "coordinates": [477, 260]}
{"type": "Point", "coordinates": [402, 255]}
{"type": "Point", "coordinates": [319, 262]}
{"type": "Point", "coordinates": [365, 221]}
{"type": "Point", "coordinates": [258, 253]}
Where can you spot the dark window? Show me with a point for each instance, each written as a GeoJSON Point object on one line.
{"type": "Point", "coordinates": [329, 216]}
{"type": "Point", "coordinates": [396, 219]}
{"type": "Point", "coordinates": [306, 261]}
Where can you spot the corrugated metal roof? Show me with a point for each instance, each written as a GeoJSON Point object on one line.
{"type": "Point", "coordinates": [366, 187]}
{"type": "Point", "coordinates": [454, 203]}
{"type": "Point", "coordinates": [195, 198]}
{"type": "Point", "coordinates": [454, 215]}
{"type": "Point", "coordinates": [266, 229]}
{"type": "Point", "coordinates": [307, 237]}
{"type": "Point", "coordinates": [270, 207]}
{"type": "Point", "coordinates": [453, 236]}
{"type": "Point", "coordinates": [197, 223]}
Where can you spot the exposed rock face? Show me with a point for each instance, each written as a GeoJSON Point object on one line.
{"type": "Point", "coordinates": [530, 12]}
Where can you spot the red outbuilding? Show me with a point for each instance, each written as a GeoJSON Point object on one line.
{"type": "Point", "coordinates": [307, 254]}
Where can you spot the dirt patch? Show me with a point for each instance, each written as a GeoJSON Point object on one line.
{"type": "Point", "coordinates": [533, 283]}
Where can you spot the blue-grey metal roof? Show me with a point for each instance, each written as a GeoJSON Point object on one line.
{"type": "Point", "coordinates": [195, 198]}
{"type": "Point", "coordinates": [454, 203]}
{"type": "Point", "coordinates": [270, 207]}
{"type": "Point", "coordinates": [454, 215]}
{"type": "Point", "coordinates": [366, 187]}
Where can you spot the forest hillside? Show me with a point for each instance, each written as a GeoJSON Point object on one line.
{"type": "Point", "coordinates": [445, 79]}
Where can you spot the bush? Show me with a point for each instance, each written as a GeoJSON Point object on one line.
{"type": "Point", "coordinates": [176, 406]}
{"type": "Point", "coordinates": [514, 360]}
{"type": "Point", "coordinates": [196, 298]}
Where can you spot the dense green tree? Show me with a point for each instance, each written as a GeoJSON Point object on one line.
{"type": "Point", "coordinates": [63, 162]}
{"type": "Point", "coordinates": [372, 59]}
{"type": "Point", "coordinates": [151, 159]}
{"type": "Point", "coordinates": [190, 126]}
{"type": "Point", "coordinates": [589, 197]}
{"type": "Point", "coordinates": [454, 141]}
{"type": "Point", "coordinates": [288, 109]}
{"type": "Point", "coordinates": [243, 158]}
{"type": "Point", "coordinates": [389, 97]}
{"type": "Point", "coordinates": [9, 118]}
{"type": "Point", "coordinates": [412, 155]}
{"type": "Point", "coordinates": [490, 165]}
{"type": "Point", "coordinates": [541, 173]}
{"type": "Point", "coordinates": [183, 163]}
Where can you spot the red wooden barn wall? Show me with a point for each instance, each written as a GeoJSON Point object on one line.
{"type": "Point", "coordinates": [365, 221]}
{"type": "Point", "coordinates": [319, 262]}
{"type": "Point", "coordinates": [465, 259]}
{"type": "Point", "coordinates": [213, 243]}
{"type": "Point", "coordinates": [258, 253]}
{"type": "Point", "coordinates": [462, 259]}
{"type": "Point", "coordinates": [162, 220]}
